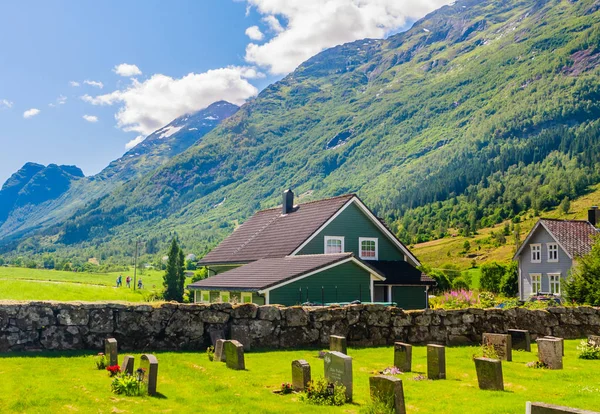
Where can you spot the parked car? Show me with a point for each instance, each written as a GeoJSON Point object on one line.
{"type": "Point", "coordinates": [546, 298]}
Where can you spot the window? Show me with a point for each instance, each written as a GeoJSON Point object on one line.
{"type": "Point", "coordinates": [552, 252]}
{"type": "Point", "coordinates": [334, 244]}
{"type": "Point", "coordinates": [554, 283]}
{"type": "Point", "coordinates": [205, 296]}
{"type": "Point", "coordinates": [246, 297]}
{"type": "Point", "coordinates": [536, 253]}
{"type": "Point", "coordinates": [224, 296]}
{"type": "Point", "coordinates": [368, 248]}
{"type": "Point", "coordinates": [536, 283]}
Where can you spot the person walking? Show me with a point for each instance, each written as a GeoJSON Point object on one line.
{"type": "Point", "coordinates": [119, 281]}
{"type": "Point", "coordinates": [140, 284]}
{"type": "Point", "coordinates": [128, 281]}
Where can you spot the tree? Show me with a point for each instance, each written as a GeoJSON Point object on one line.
{"type": "Point", "coordinates": [565, 205]}
{"type": "Point", "coordinates": [174, 277]}
{"type": "Point", "coordinates": [466, 246]}
{"type": "Point", "coordinates": [491, 275]}
{"type": "Point", "coordinates": [509, 285]}
{"type": "Point", "coordinates": [583, 284]}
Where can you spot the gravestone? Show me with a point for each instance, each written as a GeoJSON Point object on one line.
{"type": "Point", "coordinates": [550, 352]}
{"type": "Point", "coordinates": [110, 351]}
{"type": "Point", "coordinates": [436, 362]}
{"type": "Point", "coordinates": [127, 366]}
{"type": "Point", "coordinates": [338, 370]}
{"type": "Point", "coordinates": [389, 391]}
{"type": "Point", "coordinates": [502, 343]}
{"type": "Point", "coordinates": [234, 355]}
{"type": "Point", "coordinates": [594, 340]}
{"type": "Point", "coordinates": [543, 408]}
{"type": "Point", "coordinates": [300, 374]}
{"type": "Point", "coordinates": [403, 356]}
{"type": "Point", "coordinates": [338, 343]}
{"type": "Point", "coordinates": [219, 350]}
{"type": "Point", "coordinates": [489, 374]}
{"type": "Point", "coordinates": [149, 364]}
{"type": "Point", "coordinates": [562, 343]}
{"type": "Point", "coordinates": [521, 339]}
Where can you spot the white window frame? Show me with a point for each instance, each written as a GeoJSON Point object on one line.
{"type": "Point", "coordinates": [246, 295]}
{"type": "Point", "coordinates": [538, 282]}
{"type": "Point", "coordinates": [225, 293]}
{"type": "Point", "coordinates": [554, 282]}
{"type": "Point", "coordinates": [554, 249]}
{"type": "Point", "coordinates": [538, 249]}
{"type": "Point", "coordinates": [374, 239]}
{"type": "Point", "coordinates": [327, 238]}
{"type": "Point", "coordinates": [202, 292]}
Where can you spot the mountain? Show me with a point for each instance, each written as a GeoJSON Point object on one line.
{"type": "Point", "coordinates": [37, 196]}
{"type": "Point", "coordinates": [479, 112]}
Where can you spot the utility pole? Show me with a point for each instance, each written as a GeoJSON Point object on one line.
{"type": "Point", "coordinates": [135, 264]}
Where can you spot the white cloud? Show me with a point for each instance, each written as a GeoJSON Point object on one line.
{"type": "Point", "coordinates": [5, 103]}
{"type": "Point", "coordinates": [254, 33]}
{"type": "Point", "coordinates": [74, 83]}
{"type": "Point", "coordinates": [90, 118]}
{"type": "Point", "coordinates": [149, 105]}
{"type": "Point", "coordinates": [30, 112]}
{"type": "Point", "coordinates": [134, 142]}
{"type": "Point", "coordinates": [125, 69]}
{"type": "Point", "coordinates": [94, 83]}
{"type": "Point", "coordinates": [314, 25]}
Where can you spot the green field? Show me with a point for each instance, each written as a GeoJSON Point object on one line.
{"type": "Point", "coordinates": [38, 284]}
{"type": "Point", "coordinates": [188, 382]}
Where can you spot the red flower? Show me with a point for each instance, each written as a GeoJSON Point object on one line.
{"type": "Point", "coordinates": [113, 369]}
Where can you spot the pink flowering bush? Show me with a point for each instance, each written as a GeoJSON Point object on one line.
{"type": "Point", "coordinates": [456, 299]}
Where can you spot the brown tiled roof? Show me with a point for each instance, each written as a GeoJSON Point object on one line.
{"type": "Point", "coordinates": [400, 273]}
{"type": "Point", "coordinates": [264, 273]}
{"type": "Point", "coordinates": [270, 234]}
{"type": "Point", "coordinates": [575, 236]}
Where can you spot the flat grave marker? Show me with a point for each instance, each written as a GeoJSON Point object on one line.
{"type": "Point", "coordinates": [338, 370]}
{"type": "Point", "coordinates": [543, 408]}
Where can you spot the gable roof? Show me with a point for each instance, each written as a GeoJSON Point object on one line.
{"type": "Point", "coordinates": [575, 237]}
{"type": "Point", "coordinates": [267, 273]}
{"type": "Point", "coordinates": [270, 234]}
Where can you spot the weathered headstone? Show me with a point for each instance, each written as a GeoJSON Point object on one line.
{"type": "Point", "coordinates": [489, 374]}
{"type": "Point", "coordinates": [219, 350]}
{"type": "Point", "coordinates": [550, 352]}
{"type": "Point", "coordinates": [502, 343]}
{"type": "Point", "coordinates": [110, 351]}
{"type": "Point", "coordinates": [127, 366]}
{"type": "Point", "coordinates": [149, 364]}
{"type": "Point", "coordinates": [562, 343]}
{"type": "Point", "coordinates": [338, 370]}
{"type": "Point", "coordinates": [338, 343]}
{"type": "Point", "coordinates": [543, 408]}
{"type": "Point", "coordinates": [594, 340]}
{"type": "Point", "coordinates": [403, 356]}
{"type": "Point", "coordinates": [234, 355]}
{"type": "Point", "coordinates": [300, 374]}
{"type": "Point", "coordinates": [521, 339]}
{"type": "Point", "coordinates": [436, 362]}
{"type": "Point", "coordinates": [389, 391]}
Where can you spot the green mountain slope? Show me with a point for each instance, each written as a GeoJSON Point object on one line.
{"type": "Point", "coordinates": [482, 110]}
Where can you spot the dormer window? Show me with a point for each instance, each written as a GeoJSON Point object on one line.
{"type": "Point", "coordinates": [368, 248]}
{"type": "Point", "coordinates": [536, 253]}
{"type": "Point", "coordinates": [552, 252]}
{"type": "Point", "coordinates": [334, 244]}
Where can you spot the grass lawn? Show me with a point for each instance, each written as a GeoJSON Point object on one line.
{"type": "Point", "coordinates": [188, 382]}
{"type": "Point", "coordinates": [37, 284]}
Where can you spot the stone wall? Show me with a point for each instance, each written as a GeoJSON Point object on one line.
{"type": "Point", "coordinates": [169, 326]}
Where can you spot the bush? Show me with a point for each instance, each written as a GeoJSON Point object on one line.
{"type": "Point", "coordinates": [491, 275]}
{"type": "Point", "coordinates": [509, 285]}
{"type": "Point", "coordinates": [127, 385]}
{"type": "Point", "coordinates": [583, 285]}
{"type": "Point", "coordinates": [487, 300]}
{"type": "Point", "coordinates": [321, 392]}
{"type": "Point", "coordinates": [460, 283]}
{"type": "Point", "coordinates": [286, 388]}
{"type": "Point", "coordinates": [210, 353]}
{"type": "Point", "coordinates": [101, 361]}
{"type": "Point", "coordinates": [588, 350]}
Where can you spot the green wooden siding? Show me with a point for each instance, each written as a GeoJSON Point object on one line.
{"type": "Point", "coordinates": [349, 278]}
{"type": "Point", "coordinates": [352, 223]}
{"type": "Point", "coordinates": [409, 297]}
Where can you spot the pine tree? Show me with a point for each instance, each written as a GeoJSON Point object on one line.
{"type": "Point", "coordinates": [173, 275]}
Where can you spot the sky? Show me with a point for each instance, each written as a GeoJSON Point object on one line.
{"type": "Point", "coordinates": [81, 81]}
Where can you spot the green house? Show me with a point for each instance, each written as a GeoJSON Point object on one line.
{"type": "Point", "coordinates": [327, 251]}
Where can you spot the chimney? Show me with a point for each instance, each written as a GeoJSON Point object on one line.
{"type": "Point", "coordinates": [594, 216]}
{"type": "Point", "coordinates": [288, 201]}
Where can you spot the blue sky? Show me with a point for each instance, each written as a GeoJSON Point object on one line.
{"type": "Point", "coordinates": [183, 56]}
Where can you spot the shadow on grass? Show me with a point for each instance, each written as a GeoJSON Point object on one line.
{"type": "Point", "coordinates": [159, 396]}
